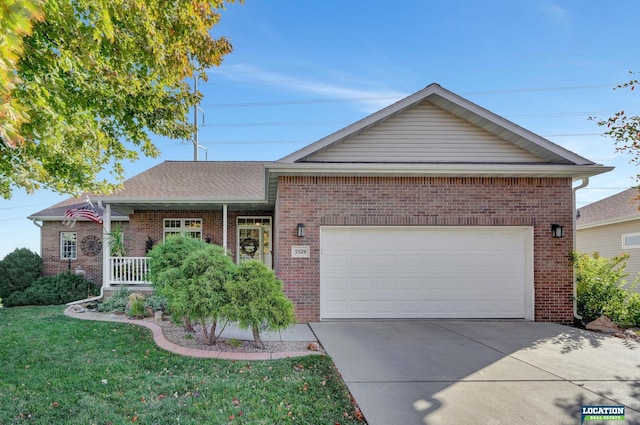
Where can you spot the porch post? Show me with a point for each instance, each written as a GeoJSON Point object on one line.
{"type": "Point", "coordinates": [106, 249]}
{"type": "Point", "coordinates": [224, 227]}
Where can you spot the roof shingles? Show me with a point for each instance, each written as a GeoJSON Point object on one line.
{"type": "Point", "coordinates": [197, 180]}
{"type": "Point", "coordinates": [617, 207]}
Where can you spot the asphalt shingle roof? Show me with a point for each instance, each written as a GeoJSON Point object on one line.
{"type": "Point", "coordinates": [242, 180]}
{"type": "Point", "coordinates": [619, 206]}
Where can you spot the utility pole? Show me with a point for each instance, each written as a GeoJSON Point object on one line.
{"type": "Point", "coordinates": [195, 121]}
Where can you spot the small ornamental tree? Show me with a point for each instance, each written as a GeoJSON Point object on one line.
{"type": "Point", "coordinates": [192, 275]}
{"type": "Point", "coordinates": [257, 300]}
{"type": "Point", "coordinates": [170, 254]}
{"type": "Point", "coordinates": [200, 292]}
{"type": "Point", "coordinates": [19, 270]}
{"type": "Point", "coordinates": [165, 260]}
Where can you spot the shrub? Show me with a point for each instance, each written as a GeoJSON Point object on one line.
{"type": "Point", "coordinates": [135, 305]}
{"type": "Point", "coordinates": [54, 290]}
{"type": "Point", "coordinates": [257, 300]}
{"type": "Point", "coordinates": [116, 302]}
{"type": "Point", "coordinates": [170, 255]}
{"type": "Point", "coordinates": [165, 272]}
{"type": "Point", "coordinates": [196, 289]}
{"type": "Point", "coordinates": [155, 303]}
{"type": "Point", "coordinates": [602, 290]}
{"type": "Point", "coordinates": [19, 270]}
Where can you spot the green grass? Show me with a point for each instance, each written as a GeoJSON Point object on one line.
{"type": "Point", "coordinates": [59, 370]}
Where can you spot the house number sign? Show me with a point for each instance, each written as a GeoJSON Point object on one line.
{"type": "Point", "coordinates": [300, 251]}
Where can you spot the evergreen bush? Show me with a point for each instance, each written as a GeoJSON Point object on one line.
{"type": "Point", "coordinates": [19, 270]}
{"type": "Point", "coordinates": [257, 301]}
{"type": "Point", "coordinates": [196, 289]}
{"type": "Point", "coordinates": [54, 290]}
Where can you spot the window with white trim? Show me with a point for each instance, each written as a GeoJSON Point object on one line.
{"type": "Point", "coordinates": [631, 240]}
{"type": "Point", "coordinates": [68, 245]}
{"type": "Point", "coordinates": [183, 226]}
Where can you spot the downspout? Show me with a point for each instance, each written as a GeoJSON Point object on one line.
{"type": "Point", "coordinates": [585, 182]}
{"type": "Point", "coordinates": [106, 215]}
{"type": "Point", "coordinates": [33, 220]}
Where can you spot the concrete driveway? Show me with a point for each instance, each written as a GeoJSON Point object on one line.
{"type": "Point", "coordinates": [481, 372]}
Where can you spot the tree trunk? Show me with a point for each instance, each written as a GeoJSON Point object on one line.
{"type": "Point", "coordinates": [187, 324]}
{"type": "Point", "coordinates": [213, 338]}
{"type": "Point", "coordinates": [257, 341]}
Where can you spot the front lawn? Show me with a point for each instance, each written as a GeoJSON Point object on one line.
{"type": "Point", "coordinates": [54, 370]}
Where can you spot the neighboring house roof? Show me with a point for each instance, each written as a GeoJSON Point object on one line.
{"type": "Point", "coordinates": [617, 208]}
{"type": "Point", "coordinates": [56, 212]}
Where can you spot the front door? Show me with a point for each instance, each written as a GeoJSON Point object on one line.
{"type": "Point", "coordinates": [254, 239]}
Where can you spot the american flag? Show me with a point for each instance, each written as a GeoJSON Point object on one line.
{"type": "Point", "coordinates": [87, 212]}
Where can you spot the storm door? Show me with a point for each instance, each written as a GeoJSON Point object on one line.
{"type": "Point", "coordinates": [254, 239]}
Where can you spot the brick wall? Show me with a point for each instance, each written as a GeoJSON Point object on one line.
{"type": "Point", "coordinates": [426, 201]}
{"type": "Point", "coordinates": [142, 225]}
{"type": "Point", "coordinates": [50, 249]}
{"type": "Point", "coordinates": [145, 224]}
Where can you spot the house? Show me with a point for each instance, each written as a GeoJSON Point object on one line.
{"type": "Point", "coordinates": [430, 208]}
{"type": "Point", "coordinates": [611, 227]}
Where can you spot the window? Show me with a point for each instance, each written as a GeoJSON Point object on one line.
{"type": "Point", "coordinates": [68, 245]}
{"type": "Point", "coordinates": [631, 240]}
{"type": "Point", "coordinates": [183, 226]}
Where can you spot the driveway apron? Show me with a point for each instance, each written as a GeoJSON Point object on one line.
{"type": "Point", "coordinates": [489, 372]}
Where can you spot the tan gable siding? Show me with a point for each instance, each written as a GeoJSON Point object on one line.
{"type": "Point", "coordinates": [607, 240]}
{"type": "Point", "coordinates": [424, 133]}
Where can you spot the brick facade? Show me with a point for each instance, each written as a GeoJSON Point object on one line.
{"type": "Point", "coordinates": [50, 249]}
{"type": "Point", "coordinates": [426, 201]}
{"type": "Point", "coordinates": [149, 224]}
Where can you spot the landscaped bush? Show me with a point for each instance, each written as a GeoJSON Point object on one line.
{"type": "Point", "coordinates": [201, 283]}
{"type": "Point", "coordinates": [156, 303]}
{"type": "Point", "coordinates": [196, 289]}
{"type": "Point", "coordinates": [135, 306]}
{"type": "Point", "coordinates": [602, 289]}
{"type": "Point", "coordinates": [257, 301]}
{"type": "Point", "coordinates": [116, 302]}
{"type": "Point", "coordinates": [54, 290]}
{"type": "Point", "coordinates": [170, 255]}
{"type": "Point", "coordinates": [19, 270]}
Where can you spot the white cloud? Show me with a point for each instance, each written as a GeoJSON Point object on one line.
{"type": "Point", "coordinates": [368, 100]}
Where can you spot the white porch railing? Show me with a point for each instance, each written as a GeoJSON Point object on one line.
{"type": "Point", "coordinates": [128, 271]}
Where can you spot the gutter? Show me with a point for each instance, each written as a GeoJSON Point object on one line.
{"type": "Point", "coordinates": [585, 182]}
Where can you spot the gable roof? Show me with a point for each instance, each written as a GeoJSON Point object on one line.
{"type": "Point", "coordinates": [617, 208]}
{"type": "Point", "coordinates": [485, 129]}
{"type": "Point", "coordinates": [433, 132]}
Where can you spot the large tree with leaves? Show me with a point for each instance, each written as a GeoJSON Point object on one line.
{"type": "Point", "coordinates": [84, 88]}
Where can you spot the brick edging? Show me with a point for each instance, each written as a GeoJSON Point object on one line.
{"type": "Point", "coordinates": [162, 342]}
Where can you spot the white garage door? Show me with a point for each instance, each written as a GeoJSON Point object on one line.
{"type": "Point", "coordinates": [426, 272]}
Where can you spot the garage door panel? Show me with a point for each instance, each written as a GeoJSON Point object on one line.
{"type": "Point", "coordinates": [424, 272]}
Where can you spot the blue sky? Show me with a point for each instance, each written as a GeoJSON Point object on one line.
{"type": "Point", "coordinates": [301, 70]}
